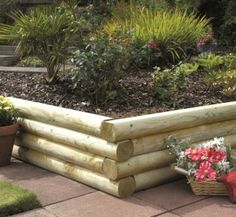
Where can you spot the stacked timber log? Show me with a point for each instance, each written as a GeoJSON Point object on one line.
{"type": "Point", "coordinates": [117, 156]}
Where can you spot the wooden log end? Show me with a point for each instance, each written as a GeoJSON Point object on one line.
{"type": "Point", "coordinates": [107, 131]}
{"type": "Point", "coordinates": [126, 187]}
{"type": "Point", "coordinates": [110, 169]}
{"type": "Point", "coordinates": [125, 150]}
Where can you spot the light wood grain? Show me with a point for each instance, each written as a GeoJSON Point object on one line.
{"type": "Point", "coordinates": [141, 126]}
{"type": "Point", "coordinates": [196, 134]}
{"type": "Point", "coordinates": [115, 170]}
{"type": "Point", "coordinates": [120, 151]}
{"type": "Point", "coordinates": [121, 188]}
{"type": "Point", "coordinates": [62, 152]}
{"type": "Point", "coordinates": [67, 118]}
{"type": "Point", "coordinates": [155, 177]}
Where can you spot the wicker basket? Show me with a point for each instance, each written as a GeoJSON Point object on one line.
{"type": "Point", "coordinates": [209, 188]}
{"type": "Point", "coordinates": [204, 188]}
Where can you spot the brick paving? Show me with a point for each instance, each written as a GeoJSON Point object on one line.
{"type": "Point", "coordinates": [62, 197]}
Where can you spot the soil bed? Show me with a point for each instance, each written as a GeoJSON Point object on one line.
{"type": "Point", "coordinates": [134, 97]}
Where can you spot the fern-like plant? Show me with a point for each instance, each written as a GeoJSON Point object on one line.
{"type": "Point", "coordinates": [45, 32]}
{"type": "Point", "coordinates": [210, 61]}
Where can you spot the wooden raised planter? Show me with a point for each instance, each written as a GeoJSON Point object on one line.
{"type": "Point", "coordinates": [116, 156]}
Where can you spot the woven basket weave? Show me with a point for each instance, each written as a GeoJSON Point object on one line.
{"type": "Point", "coordinates": [209, 188]}
{"type": "Point", "coordinates": [204, 188]}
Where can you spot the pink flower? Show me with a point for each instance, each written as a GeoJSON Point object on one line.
{"type": "Point", "coordinates": [205, 171]}
{"type": "Point", "coordinates": [195, 154]}
{"type": "Point", "coordinates": [216, 156]}
{"type": "Point", "coordinates": [152, 44]}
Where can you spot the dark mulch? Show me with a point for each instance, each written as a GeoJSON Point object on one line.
{"type": "Point", "coordinates": [134, 98]}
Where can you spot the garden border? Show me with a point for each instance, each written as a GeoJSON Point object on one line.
{"type": "Point", "coordinates": [117, 156]}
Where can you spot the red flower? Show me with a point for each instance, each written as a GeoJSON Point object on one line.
{"type": "Point", "coordinates": [152, 44]}
{"type": "Point", "coordinates": [216, 156]}
{"type": "Point", "coordinates": [205, 171]}
{"type": "Point", "coordinates": [195, 154]}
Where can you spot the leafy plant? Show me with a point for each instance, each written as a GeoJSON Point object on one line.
{"type": "Point", "coordinates": [174, 31]}
{"type": "Point", "coordinates": [32, 61]}
{"type": "Point", "coordinates": [167, 83]}
{"type": "Point", "coordinates": [209, 61]}
{"type": "Point", "coordinates": [5, 7]}
{"type": "Point", "coordinates": [226, 79]}
{"type": "Point", "coordinates": [8, 113]}
{"type": "Point", "coordinates": [221, 72]}
{"type": "Point", "coordinates": [99, 67]}
{"type": "Point", "coordinates": [229, 61]}
{"type": "Point", "coordinates": [44, 32]}
{"type": "Point", "coordinates": [228, 27]}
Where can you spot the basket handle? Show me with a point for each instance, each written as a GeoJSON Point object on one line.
{"type": "Point", "coordinates": [180, 170]}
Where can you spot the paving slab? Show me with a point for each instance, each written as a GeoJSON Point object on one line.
{"type": "Point", "coordinates": [62, 197]}
{"type": "Point", "coordinates": [49, 187]}
{"type": "Point", "coordinates": [99, 204]}
{"type": "Point", "coordinates": [19, 170]}
{"type": "Point", "coordinates": [212, 207]}
{"type": "Point", "coordinates": [35, 213]}
{"type": "Point", "coordinates": [170, 196]}
{"type": "Point", "coordinates": [168, 214]}
{"type": "Point", "coordinates": [54, 189]}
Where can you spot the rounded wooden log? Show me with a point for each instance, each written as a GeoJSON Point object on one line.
{"type": "Point", "coordinates": [116, 170]}
{"type": "Point", "coordinates": [155, 177]}
{"type": "Point", "coordinates": [67, 118]}
{"type": "Point", "coordinates": [196, 134]}
{"type": "Point", "coordinates": [135, 127]}
{"type": "Point", "coordinates": [230, 140]}
{"type": "Point", "coordinates": [120, 151]}
{"type": "Point", "coordinates": [62, 152]}
{"type": "Point", "coordinates": [122, 188]}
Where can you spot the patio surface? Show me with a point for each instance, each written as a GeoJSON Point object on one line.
{"type": "Point", "coordinates": [62, 197]}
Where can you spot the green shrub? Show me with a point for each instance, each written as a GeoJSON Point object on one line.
{"type": "Point", "coordinates": [228, 28]}
{"type": "Point", "coordinates": [5, 7]}
{"type": "Point", "coordinates": [210, 61]}
{"type": "Point", "coordinates": [189, 6]}
{"type": "Point", "coordinates": [144, 56]}
{"type": "Point", "coordinates": [8, 113]}
{"type": "Point", "coordinates": [44, 32]}
{"type": "Point", "coordinates": [99, 67]}
{"type": "Point", "coordinates": [155, 5]}
{"type": "Point", "coordinates": [174, 31]}
{"type": "Point", "coordinates": [32, 61]}
{"type": "Point", "coordinates": [167, 83]}
{"type": "Point", "coordinates": [226, 79]}
{"type": "Point", "coordinates": [223, 76]}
